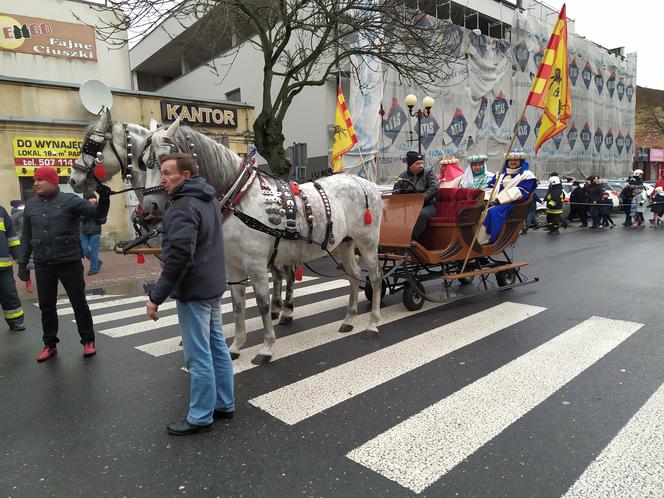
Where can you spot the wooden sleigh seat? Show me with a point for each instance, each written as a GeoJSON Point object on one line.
{"type": "Point", "coordinates": [449, 232]}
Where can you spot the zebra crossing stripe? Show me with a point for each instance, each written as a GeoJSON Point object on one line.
{"type": "Point", "coordinates": [169, 305]}
{"type": "Point", "coordinates": [310, 396]}
{"type": "Point", "coordinates": [106, 304]}
{"type": "Point", "coordinates": [167, 321]}
{"type": "Point", "coordinates": [324, 334]}
{"type": "Point", "coordinates": [172, 345]}
{"type": "Point", "coordinates": [138, 299]}
{"type": "Point", "coordinates": [633, 462]}
{"type": "Point", "coordinates": [88, 297]}
{"type": "Point", "coordinates": [423, 448]}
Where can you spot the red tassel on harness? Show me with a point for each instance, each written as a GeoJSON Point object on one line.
{"type": "Point", "coordinates": [367, 217]}
{"type": "Point", "coordinates": [100, 172]}
{"type": "Point", "coordinates": [295, 188]}
{"type": "Point", "coordinates": [298, 273]}
{"type": "Point", "coordinates": [140, 259]}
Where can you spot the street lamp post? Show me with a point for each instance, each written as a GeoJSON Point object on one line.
{"type": "Point", "coordinates": [427, 103]}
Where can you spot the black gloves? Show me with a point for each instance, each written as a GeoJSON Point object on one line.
{"type": "Point", "coordinates": [103, 190]}
{"type": "Point", "coordinates": [495, 202]}
{"type": "Point", "coordinates": [23, 273]}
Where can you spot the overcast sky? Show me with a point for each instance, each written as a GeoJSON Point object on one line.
{"type": "Point", "coordinates": [637, 25]}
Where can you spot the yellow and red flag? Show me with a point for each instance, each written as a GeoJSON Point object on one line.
{"type": "Point", "coordinates": [550, 90]}
{"type": "Point", "coordinates": [344, 134]}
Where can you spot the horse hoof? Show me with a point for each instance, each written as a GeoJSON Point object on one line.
{"type": "Point", "coordinates": [261, 359]}
{"type": "Point", "coordinates": [234, 356]}
{"type": "Point", "coordinates": [345, 328]}
{"type": "Point", "coordinates": [285, 320]}
{"type": "Point", "coordinates": [370, 335]}
{"type": "Point", "coordinates": [274, 315]}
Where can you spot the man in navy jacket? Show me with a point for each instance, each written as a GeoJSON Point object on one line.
{"type": "Point", "coordinates": [194, 275]}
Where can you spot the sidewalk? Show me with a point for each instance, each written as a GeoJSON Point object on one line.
{"type": "Point", "coordinates": [116, 269]}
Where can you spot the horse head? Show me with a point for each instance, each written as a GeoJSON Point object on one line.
{"type": "Point", "coordinates": [158, 144]}
{"type": "Point", "coordinates": [217, 163]}
{"type": "Point", "coordinates": [111, 143]}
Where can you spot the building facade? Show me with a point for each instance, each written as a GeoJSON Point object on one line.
{"type": "Point", "coordinates": [44, 60]}
{"type": "Point", "coordinates": [649, 137]}
{"type": "Point", "coordinates": [160, 63]}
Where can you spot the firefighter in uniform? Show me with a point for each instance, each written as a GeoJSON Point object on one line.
{"type": "Point", "coordinates": [9, 244]}
{"type": "Point", "coordinates": [554, 205]}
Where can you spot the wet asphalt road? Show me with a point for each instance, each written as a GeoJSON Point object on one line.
{"type": "Point", "coordinates": [96, 427]}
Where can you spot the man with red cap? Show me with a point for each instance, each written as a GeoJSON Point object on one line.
{"type": "Point", "coordinates": [51, 235]}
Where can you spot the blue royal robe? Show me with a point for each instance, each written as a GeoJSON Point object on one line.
{"type": "Point", "coordinates": [512, 188]}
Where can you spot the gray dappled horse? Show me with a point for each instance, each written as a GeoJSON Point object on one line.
{"type": "Point", "coordinates": [114, 141]}
{"type": "Point", "coordinates": [248, 251]}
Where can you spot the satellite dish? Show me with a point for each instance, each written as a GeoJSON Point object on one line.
{"type": "Point", "coordinates": [95, 96]}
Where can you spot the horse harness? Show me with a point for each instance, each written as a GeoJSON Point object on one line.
{"type": "Point", "coordinates": [94, 148]}
{"type": "Point", "coordinates": [173, 146]}
{"type": "Point", "coordinates": [283, 204]}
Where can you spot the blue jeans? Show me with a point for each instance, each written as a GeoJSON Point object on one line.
{"type": "Point", "coordinates": [207, 359]}
{"type": "Point", "coordinates": [90, 246]}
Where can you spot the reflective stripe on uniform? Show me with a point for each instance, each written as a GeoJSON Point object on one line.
{"type": "Point", "coordinates": [13, 241]}
{"type": "Point", "coordinates": [2, 225]}
{"type": "Point", "coordinates": [9, 314]}
{"type": "Point", "coordinates": [5, 262]}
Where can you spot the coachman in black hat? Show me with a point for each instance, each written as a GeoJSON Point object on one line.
{"type": "Point", "coordinates": [418, 178]}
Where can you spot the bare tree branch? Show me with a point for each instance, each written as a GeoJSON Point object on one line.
{"type": "Point", "coordinates": [303, 43]}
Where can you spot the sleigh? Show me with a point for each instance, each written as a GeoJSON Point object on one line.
{"type": "Point", "coordinates": [440, 252]}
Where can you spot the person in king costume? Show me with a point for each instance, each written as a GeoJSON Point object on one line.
{"type": "Point", "coordinates": [476, 174]}
{"type": "Point", "coordinates": [450, 172]}
{"type": "Point", "coordinates": [516, 182]}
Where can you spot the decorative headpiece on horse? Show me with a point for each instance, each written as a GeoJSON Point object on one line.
{"type": "Point", "coordinates": [477, 158]}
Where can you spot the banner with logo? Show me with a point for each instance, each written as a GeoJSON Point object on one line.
{"type": "Point", "coordinates": [599, 138]}
{"type": "Point", "coordinates": [476, 108]}
{"type": "Point", "coordinates": [32, 35]}
{"type": "Point", "coordinates": [32, 152]}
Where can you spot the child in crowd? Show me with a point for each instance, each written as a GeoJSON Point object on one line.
{"type": "Point", "coordinates": [657, 206]}
{"type": "Point", "coordinates": [605, 211]}
{"type": "Point", "coordinates": [639, 207]}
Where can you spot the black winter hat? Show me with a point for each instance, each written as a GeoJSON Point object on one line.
{"type": "Point", "coordinates": [412, 157]}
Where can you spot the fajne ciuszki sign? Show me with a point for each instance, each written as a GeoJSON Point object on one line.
{"type": "Point", "coordinates": [199, 114]}
{"type": "Point", "coordinates": [32, 35]}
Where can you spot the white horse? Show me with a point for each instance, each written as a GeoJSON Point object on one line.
{"type": "Point", "coordinates": [248, 251]}
{"type": "Point", "coordinates": [114, 141]}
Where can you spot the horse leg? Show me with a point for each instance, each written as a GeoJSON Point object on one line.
{"type": "Point", "coordinates": [370, 258]}
{"type": "Point", "coordinates": [238, 292]}
{"type": "Point", "coordinates": [287, 313]}
{"type": "Point", "coordinates": [276, 303]}
{"type": "Point", "coordinates": [259, 281]}
{"type": "Point", "coordinates": [346, 252]}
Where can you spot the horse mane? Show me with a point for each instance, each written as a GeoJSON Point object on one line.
{"type": "Point", "coordinates": [132, 127]}
{"type": "Point", "coordinates": [216, 163]}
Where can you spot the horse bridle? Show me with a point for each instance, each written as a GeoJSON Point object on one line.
{"type": "Point", "coordinates": [153, 161]}
{"type": "Point", "coordinates": [95, 149]}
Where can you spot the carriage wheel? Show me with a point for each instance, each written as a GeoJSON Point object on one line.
{"type": "Point", "coordinates": [368, 290]}
{"type": "Point", "coordinates": [466, 280]}
{"type": "Point", "coordinates": [506, 277]}
{"type": "Point", "coordinates": [412, 300]}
